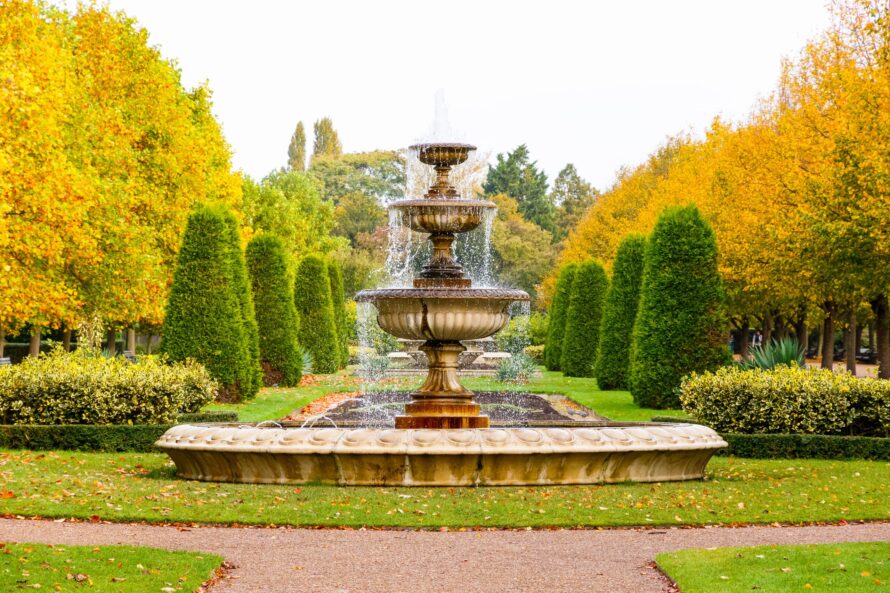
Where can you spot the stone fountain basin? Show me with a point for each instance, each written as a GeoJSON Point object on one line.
{"type": "Point", "coordinates": [441, 314]}
{"type": "Point", "coordinates": [597, 453]}
{"type": "Point", "coordinates": [442, 215]}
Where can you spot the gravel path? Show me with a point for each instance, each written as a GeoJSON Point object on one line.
{"type": "Point", "coordinates": [289, 560]}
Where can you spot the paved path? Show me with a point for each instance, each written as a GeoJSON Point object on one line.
{"type": "Point", "coordinates": [289, 560]}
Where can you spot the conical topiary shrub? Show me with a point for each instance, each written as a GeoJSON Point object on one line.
{"type": "Point", "coordinates": [253, 374]}
{"type": "Point", "coordinates": [680, 326]}
{"type": "Point", "coordinates": [619, 313]}
{"type": "Point", "coordinates": [558, 309]}
{"type": "Point", "coordinates": [318, 332]}
{"type": "Point", "coordinates": [203, 319]}
{"type": "Point", "coordinates": [339, 300]}
{"type": "Point", "coordinates": [583, 320]}
{"type": "Point", "coordinates": [276, 314]}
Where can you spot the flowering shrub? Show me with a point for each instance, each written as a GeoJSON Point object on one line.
{"type": "Point", "coordinates": [79, 388]}
{"type": "Point", "coordinates": [788, 399]}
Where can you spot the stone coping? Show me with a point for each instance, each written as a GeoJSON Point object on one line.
{"type": "Point", "coordinates": [248, 438]}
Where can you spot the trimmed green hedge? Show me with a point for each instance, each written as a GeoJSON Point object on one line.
{"type": "Point", "coordinates": [558, 310]}
{"type": "Point", "coordinates": [806, 446]}
{"type": "Point", "coordinates": [318, 330]}
{"type": "Point", "coordinates": [138, 438]}
{"type": "Point", "coordinates": [680, 326]}
{"type": "Point", "coordinates": [204, 320]}
{"type": "Point", "coordinates": [583, 320]}
{"type": "Point", "coordinates": [619, 314]}
{"type": "Point", "coordinates": [276, 314]}
{"type": "Point", "coordinates": [338, 298]}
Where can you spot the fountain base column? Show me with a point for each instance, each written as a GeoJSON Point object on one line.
{"type": "Point", "coordinates": [442, 402]}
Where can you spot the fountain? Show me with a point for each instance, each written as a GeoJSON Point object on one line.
{"type": "Point", "coordinates": [443, 438]}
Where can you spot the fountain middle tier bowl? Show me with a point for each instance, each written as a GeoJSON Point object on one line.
{"type": "Point", "coordinates": [442, 314]}
{"type": "Point", "coordinates": [442, 215]}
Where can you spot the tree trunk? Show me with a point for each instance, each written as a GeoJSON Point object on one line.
{"type": "Point", "coordinates": [112, 342]}
{"type": "Point", "coordinates": [767, 328]}
{"type": "Point", "coordinates": [2, 341]}
{"type": "Point", "coordinates": [34, 346]}
{"type": "Point", "coordinates": [744, 340]}
{"type": "Point", "coordinates": [859, 331]}
{"type": "Point", "coordinates": [66, 340]}
{"type": "Point", "coordinates": [131, 340]}
{"type": "Point", "coordinates": [871, 335]}
{"type": "Point", "coordinates": [850, 342]}
{"type": "Point", "coordinates": [800, 330]}
{"type": "Point", "coordinates": [882, 335]}
{"type": "Point", "coordinates": [828, 337]}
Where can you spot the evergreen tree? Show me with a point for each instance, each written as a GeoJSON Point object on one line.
{"type": "Point", "coordinates": [327, 143]}
{"type": "Point", "coordinates": [680, 326]}
{"type": "Point", "coordinates": [203, 319]}
{"type": "Point", "coordinates": [520, 179]}
{"type": "Point", "coordinates": [253, 374]}
{"type": "Point", "coordinates": [619, 313]}
{"type": "Point", "coordinates": [296, 151]}
{"type": "Point", "coordinates": [318, 330]}
{"type": "Point", "coordinates": [335, 277]}
{"type": "Point", "coordinates": [583, 320]}
{"type": "Point", "coordinates": [558, 309]}
{"type": "Point", "coordinates": [571, 196]}
{"type": "Point", "coordinates": [276, 314]}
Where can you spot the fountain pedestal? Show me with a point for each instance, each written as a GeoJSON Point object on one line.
{"type": "Point", "coordinates": [442, 402]}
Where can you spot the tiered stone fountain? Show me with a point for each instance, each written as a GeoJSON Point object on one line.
{"type": "Point", "coordinates": [443, 438]}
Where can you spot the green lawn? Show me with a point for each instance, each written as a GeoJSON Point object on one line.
{"type": "Point", "coordinates": [137, 487]}
{"type": "Point", "coordinates": [838, 568]}
{"type": "Point", "coordinates": [102, 569]}
{"type": "Point", "coordinates": [275, 403]}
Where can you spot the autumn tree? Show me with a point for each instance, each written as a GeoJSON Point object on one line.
{"type": "Point", "coordinates": [296, 150]}
{"type": "Point", "coordinates": [327, 143]}
{"type": "Point", "coordinates": [522, 250]}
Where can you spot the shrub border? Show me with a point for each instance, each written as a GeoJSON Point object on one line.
{"type": "Point", "coordinates": [105, 438]}
{"type": "Point", "coordinates": [798, 446]}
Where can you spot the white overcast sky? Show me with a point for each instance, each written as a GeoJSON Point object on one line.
{"type": "Point", "coordinates": [596, 83]}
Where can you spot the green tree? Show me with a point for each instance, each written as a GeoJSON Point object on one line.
{"type": "Point", "coordinates": [276, 314]}
{"type": "Point", "coordinates": [583, 320]}
{"type": "Point", "coordinates": [519, 178]}
{"type": "Point", "coordinates": [558, 309]}
{"type": "Point", "coordinates": [315, 308]}
{"type": "Point", "coordinates": [572, 196]}
{"type": "Point", "coordinates": [296, 151]}
{"type": "Point", "coordinates": [357, 213]}
{"type": "Point", "coordinates": [680, 326]}
{"type": "Point", "coordinates": [327, 143]}
{"type": "Point", "coordinates": [335, 276]}
{"type": "Point", "coordinates": [379, 174]}
{"type": "Point", "coordinates": [289, 204]}
{"type": "Point", "coordinates": [619, 313]}
{"type": "Point", "coordinates": [203, 319]}
{"type": "Point", "coordinates": [253, 374]}
{"type": "Point", "coordinates": [523, 251]}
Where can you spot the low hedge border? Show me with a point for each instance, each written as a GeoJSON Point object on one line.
{"type": "Point", "coordinates": [797, 446]}
{"type": "Point", "coordinates": [107, 438]}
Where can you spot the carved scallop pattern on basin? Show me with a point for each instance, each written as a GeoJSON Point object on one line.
{"type": "Point", "coordinates": [496, 456]}
{"type": "Point", "coordinates": [442, 215]}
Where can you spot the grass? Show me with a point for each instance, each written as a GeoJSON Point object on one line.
{"type": "Point", "coordinates": [102, 569]}
{"type": "Point", "coordinates": [143, 487]}
{"type": "Point", "coordinates": [276, 403]}
{"type": "Point", "coordinates": [839, 568]}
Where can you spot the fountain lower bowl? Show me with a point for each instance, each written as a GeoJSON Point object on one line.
{"type": "Point", "coordinates": [442, 314]}
{"type": "Point", "coordinates": [592, 453]}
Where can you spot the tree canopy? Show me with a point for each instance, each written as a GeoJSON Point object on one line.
{"type": "Point", "coordinates": [517, 176]}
